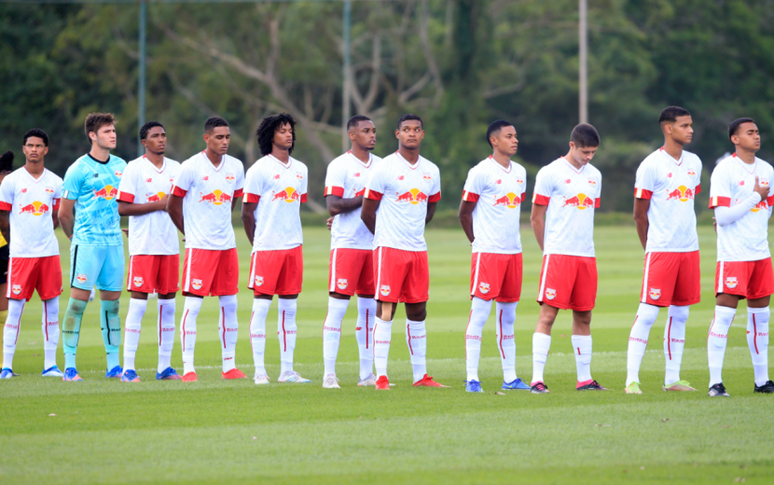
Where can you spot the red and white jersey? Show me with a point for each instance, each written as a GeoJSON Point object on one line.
{"type": "Point", "coordinates": [207, 193]}
{"type": "Point", "coordinates": [346, 177]}
{"type": "Point", "coordinates": [671, 186]}
{"type": "Point", "coordinates": [498, 193]}
{"type": "Point", "coordinates": [279, 189]}
{"type": "Point", "coordinates": [142, 182]}
{"type": "Point", "coordinates": [745, 239]}
{"type": "Point", "coordinates": [404, 191]}
{"type": "Point", "coordinates": [31, 202]}
{"type": "Point", "coordinates": [571, 196]}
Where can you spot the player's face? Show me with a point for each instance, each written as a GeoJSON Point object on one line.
{"type": "Point", "coordinates": [218, 139]}
{"type": "Point", "coordinates": [748, 137]}
{"type": "Point", "coordinates": [410, 134]}
{"type": "Point", "coordinates": [582, 155]}
{"type": "Point", "coordinates": [283, 137]}
{"type": "Point", "coordinates": [105, 137]}
{"type": "Point", "coordinates": [35, 149]}
{"type": "Point", "coordinates": [505, 141]}
{"type": "Point", "coordinates": [682, 130]}
{"type": "Point", "coordinates": [156, 140]}
{"type": "Point", "coordinates": [364, 135]}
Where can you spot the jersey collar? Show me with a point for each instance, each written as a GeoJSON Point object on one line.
{"type": "Point", "coordinates": [290, 160]}
{"type": "Point", "coordinates": [572, 167]}
{"type": "Point", "coordinates": [745, 165]}
{"type": "Point", "coordinates": [506, 170]}
{"type": "Point", "coordinates": [670, 157]}
{"type": "Point", "coordinates": [163, 164]}
{"type": "Point", "coordinates": [412, 167]}
{"type": "Point", "coordinates": [209, 163]}
{"type": "Point", "coordinates": [366, 165]}
{"type": "Point", "coordinates": [36, 180]}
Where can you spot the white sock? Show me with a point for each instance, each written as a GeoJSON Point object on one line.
{"type": "Point", "coordinates": [191, 309]}
{"type": "Point", "coordinates": [541, 344]}
{"type": "Point", "coordinates": [11, 331]}
{"type": "Point", "coordinates": [674, 342]}
{"type": "Point", "coordinates": [416, 338]}
{"type": "Point", "coordinates": [50, 327]}
{"type": "Point", "coordinates": [758, 342]}
{"type": "Point", "coordinates": [479, 313]}
{"type": "Point", "coordinates": [382, 339]}
{"type": "Point", "coordinates": [166, 332]}
{"type": "Point", "coordinates": [132, 329]}
{"type": "Point", "coordinates": [332, 332]}
{"type": "Point", "coordinates": [506, 340]}
{"type": "Point", "coordinates": [286, 330]}
{"type": "Point", "coordinates": [717, 340]}
{"type": "Point", "coordinates": [228, 330]}
{"type": "Point", "coordinates": [638, 340]}
{"type": "Point", "coordinates": [258, 333]}
{"type": "Point", "coordinates": [582, 346]}
{"type": "Point", "coordinates": [364, 333]}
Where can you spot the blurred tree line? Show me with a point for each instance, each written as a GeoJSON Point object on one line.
{"type": "Point", "coordinates": [457, 63]}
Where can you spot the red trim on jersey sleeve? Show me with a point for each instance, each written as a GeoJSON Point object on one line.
{"type": "Point", "coordinates": [252, 198]}
{"type": "Point", "coordinates": [697, 190]}
{"type": "Point", "coordinates": [126, 197]}
{"type": "Point", "coordinates": [435, 197]}
{"type": "Point", "coordinates": [721, 202]}
{"type": "Point", "coordinates": [596, 202]}
{"type": "Point", "coordinates": [540, 199]}
{"type": "Point", "coordinates": [373, 195]}
{"type": "Point", "coordinates": [642, 193]}
{"type": "Point", "coordinates": [303, 198]}
{"type": "Point", "coordinates": [56, 204]}
{"type": "Point", "coordinates": [238, 193]}
{"type": "Point", "coordinates": [337, 191]}
{"type": "Point", "coordinates": [5, 206]}
{"type": "Point", "coordinates": [523, 196]}
{"type": "Point", "coordinates": [178, 191]}
{"type": "Point", "coordinates": [770, 200]}
{"type": "Point", "coordinates": [469, 196]}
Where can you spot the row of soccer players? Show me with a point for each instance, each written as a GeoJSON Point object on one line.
{"type": "Point", "coordinates": [405, 187]}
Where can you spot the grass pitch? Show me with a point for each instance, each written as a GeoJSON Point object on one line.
{"type": "Point", "coordinates": [215, 431]}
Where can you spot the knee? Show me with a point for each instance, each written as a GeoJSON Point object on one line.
{"type": "Point", "coordinates": [416, 315]}
{"type": "Point", "coordinates": [679, 312]}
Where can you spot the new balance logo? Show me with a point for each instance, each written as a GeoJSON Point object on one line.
{"type": "Point", "coordinates": [132, 330]}
{"type": "Point", "coordinates": [473, 337]}
{"type": "Point", "coordinates": [333, 329]}
{"type": "Point", "coordinates": [257, 335]}
{"type": "Point", "coordinates": [713, 334]}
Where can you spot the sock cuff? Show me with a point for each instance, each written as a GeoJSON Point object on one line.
{"type": "Point", "coordinates": [541, 337]}
{"type": "Point", "coordinates": [193, 304]}
{"type": "Point", "coordinates": [581, 338]}
{"type": "Point", "coordinates": [478, 304]}
{"type": "Point", "coordinates": [648, 312]}
{"type": "Point", "coordinates": [109, 305]}
{"type": "Point", "coordinates": [337, 304]}
{"type": "Point", "coordinates": [724, 311]}
{"type": "Point", "coordinates": [506, 306]}
{"type": "Point", "coordinates": [169, 304]}
{"type": "Point", "coordinates": [379, 320]}
{"type": "Point", "coordinates": [261, 304]}
{"type": "Point", "coordinates": [366, 302]}
{"type": "Point", "coordinates": [679, 312]}
{"type": "Point", "coordinates": [415, 325]}
{"type": "Point", "coordinates": [758, 310]}
{"type": "Point", "coordinates": [138, 302]}
{"type": "Point", "coordinates": [287, 304]}
{"type": "Point", "coordinates": [227, 300]}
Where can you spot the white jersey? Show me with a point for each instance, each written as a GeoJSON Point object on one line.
{"type": "Point", "coordinates": [498, 193]}
{"type": "Point", "coordinates": [279, 189]}
{"type": "Point", "coordinates": [207, 193]}
{"type": "Point", "coordinates": [671, 186]}
{"type": "Point", "coordinates": [571, 196]}
{"type": "Point", "coordinates": [346, 177]}
{"type": "Point", "coordinates": [745, 239]}
{"type": "Point", "coordinates": [404, 191]}
{"type": "Point", "coordinates": [31, 203]}
{"type": "Point", "coordinates": [142, 182]}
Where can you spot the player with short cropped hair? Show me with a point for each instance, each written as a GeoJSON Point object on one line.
{"type": "Point", "coordinates": [666, 184]}
{"type": "Point", "coordinates": [741, 194]}
{"type": "Point", "coordinates": [200, 205]}
{"type": "Point", "coordinates": [31, 196]}
{"type": "Point", "coordinates": [400, 198]}
{"type": "Point", "coordinates": [351, 264]}
{"type": "Point", "coordinates": [275, 188]}
{"type": "Point", "coordinates": [489, 213]}
{"type": "Point", "coordinates": [154, 252]}
{"type": "Point", "coordinates": [567, 192]}
{"type": "Point", "coordinates": [89, 216]}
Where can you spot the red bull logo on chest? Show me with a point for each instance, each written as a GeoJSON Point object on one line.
{"type": "Point", "coordinates": [760, 205]}
{"type": "Point", "coordinates": [155, 197]}
{"type": "Point", "coordinates": [37, 208]}
{"type": "Point", "coordinates": [509, 200]}
{"type": "Point", "coordinates": [107, 192]}
{"type": "Point", "coordinates": [215, 197]}
{"type": "Point", "coordinates": [580, 201]}
{"type": "Point", "coordinates": [288, 195]}
{"type": "Point", "coordinates": [413, 196]}
{"type": "Point", "coordinates": [681, 193]}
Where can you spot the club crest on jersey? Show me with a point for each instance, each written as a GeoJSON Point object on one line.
{"type": "Point", "coordinates": [483, 288]}
{"type": "Point", "coordinates": [550, 293]}
{"type": "Point", "coordinates": [49, 190]}
{"type": "Point", "coordinates": [230, 177]}
{"type": "Point", "coordinates": [258, 280]}
{"type": "Point", "coordinates": [509, 200]}
{"type": "Point", "coordinates": [413, 196]}
{"type": "Point", "coordinates": [763, 182]}
{"type": "Point", "coordinates": [216, 197]}
{"type": "Point", "coordinates": [197, 284]}
{"type": "Point", "coordinates": [654, 293]}
{"type": "Point", "coordinates": [288, 195]}
{"type": "Point", "coordinates": [107, 192]}
{"type": "Point", "coordinates": [592, 182]}
{"type": "Point", "coordinates": [427, 177]}
{"type": "Point", "coordinates": [691, 173]}
{"type": "Point", "coordinates": [118, 174]}
{"type": "Point", "coordinates": [384, 290]}
{"type": "Point", "coordinates": [37, 208]}
{"type": "Point", "coordinates": [16, 289]}
{"type": "Point", "coordinates": [81, 278]}
{"type": "Point", "coordinates": [299, 176]}
{"type": "Point", "coordinates": [731, 282]}
{"type": "Point", "coordinates": [681, 193]}
{"type": "Point", "coordinates": [519, 181]}
{"type": "Point", "coordinates": [580, 201]}
{"type": "Point", "coordinates": [341, 284]}
{"type": "Point", "coordinates": [137, 280]}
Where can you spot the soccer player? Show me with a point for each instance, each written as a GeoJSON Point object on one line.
{"type": "Point", "coordinates": [489, 214]}
{"type": "Point", "coordinates": [89, 216]}
{"type": "Point", "coordinates": [31, 195]}
{"type": "Point", "coordinates": [567, 191]}
{"type": "Point", "coordinates": [351, 268]}
{"type": "Point", "coordinates": [200, 205]}
{"type": "Point", "coordinates": [154, 252]}
{"type": "Point", "coordinates": [400, 198]}
{"type": "Point", "coordinates": [667, 182]}
{"type": "Point", "coordinates": [742, 196]}
{"type": "Point", "coordinates": [275, 188]}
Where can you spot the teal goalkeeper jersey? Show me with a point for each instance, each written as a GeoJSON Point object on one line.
{"type": "Point", "coordinates": [93, 185]}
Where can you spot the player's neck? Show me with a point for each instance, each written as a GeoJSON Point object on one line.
{"type": "Point", "coordinates": [502, 159]}
{"type": "Point", "coordinates": [360, 153]}
{"type": "Point", "coordinates": [411, 155]}
{"type": "Point", "coordinates": [99, 153]}
{"type": "Point", "coordinates": [156, 159]}
{"type": "Point", "coordinates": [281, 155]}
{"type": "Point", "coordinates": [34, 169]}
{"type": "Point", "coordinates": [213, 157]}
{"type": "Point", "coordinates": [674, 149]}
{"type": "Point", "coordinates": [746, 156]}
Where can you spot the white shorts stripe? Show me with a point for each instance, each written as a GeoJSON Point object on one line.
{"type": "Point", "coordinates": [187, 283]}
{"type": "Point", "coordinates": [333, 271]}
{"type": "Point", "coordinates": [543, 278]}
{"type": "Point", "coordinates": [379, 273]}
{"type": "Point", "coordinates": [129, 279]}
{"type": "Point", "coordinates": [475, 275]}
{"type": "Point", "coordinates": [644, 296]}
{"type": "Point", "coordinates": [719, 289]}
{"type": "Point", "coordinates": [8, 280]}
{"type": "Point", "coordinates": [251, 281]}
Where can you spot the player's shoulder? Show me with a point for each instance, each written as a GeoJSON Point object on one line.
{"type": "Point", "coordinates": [653, 159]}
{"type": "Point", "coordinates": [339, 162]}
{"type": "Point", "coordinates": [191, 161]}
{"type": "Point", "coordinates": [376, 158]}
{"type": "Point", "coordinates": [298, 164]}
{"type": "Point", "coordinates": [171, 162]}
{"type": "Point", "coordinates": [551, 168]}
{"type": "Point", "coordinates": [593, 171]}
{"type": "Point", "coordinates": [428, 165]}
{"type": "Point", "coordinates": [116, 161]}
{"type": "Point", "coordinates": [51, 177]}
{"type": "Point", "coordinates": [259, 165]}
{"type": "Point", "coordinates": [724, 165]}
{"type": "Point", "coordinates": [765, 166]}
{"type": "Point", "coordinates": [518, 169]}
{"type": "Point", "coordinates": [233, 163]}
{"type": "Point", "coordinates": [691, 158]}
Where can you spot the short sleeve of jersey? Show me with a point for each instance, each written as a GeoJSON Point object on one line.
{"type": "Point", "coordinates": [127, 189]}
{"type": "Point", "coordinates": [435, 194]}
{"type": "Point", "coordinates": [720, 188]}
{"type": "Point", "coordinates": [73, 182]}
{"type": "Point", "coordinates": [240, 181]}
{"type": "Point", "coordinates": [375, 185]}
{"type": "Point", "coordinates": [304, 185]}
{"type": "Point", "coordinates": [473, 186]}
{"type": "Point", "coordinates": [6, 194]}
{"type": "Point", "coordinates": [184, 179]}
{"type": "Point", "coordinates": [335, 179]}
{"type": "Point", "coordinates": [644, 182]}
{"type": "Point", "coordinates": [253, 189]}
{"type": "Point", "coordinates": [543, 188]}
{"type": "Point", "coordinates": [599, 192]}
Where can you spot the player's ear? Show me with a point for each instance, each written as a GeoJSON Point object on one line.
{"type": "Point", "coordinates": [397, 133]}
{"type": "Point", "coordinates": [206, 137]}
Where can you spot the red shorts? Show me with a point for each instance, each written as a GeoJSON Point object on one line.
{"type": "Point", "coordinates": [496, 277]}
{"type": "Point", "coordinates": [211, 272]}
{"type": "Point", "coordinates": [278, 272]}
{"type": "Point", "coordinates": [671, 279]}
{"type": "Point", "coordinates": [747, 279]}
{"type": "Point", "coordinates": [26, 275]}
{"type": "Point", "coordinates": [150, 273]}
{"type": "Point", "coordinates": [401, 276]}
{"type": "Point", "coordinates": [568, 282]}
{"type": "Point", "coordinates": [351, 271]}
